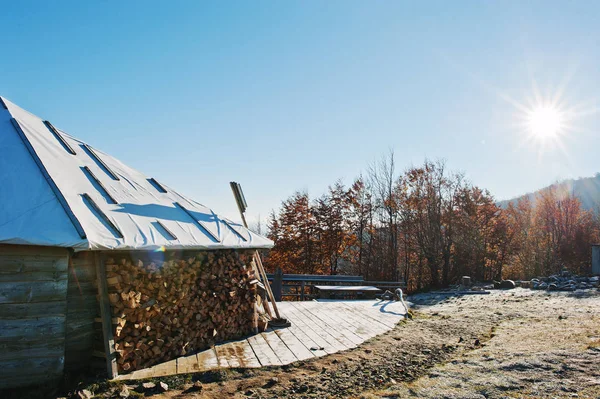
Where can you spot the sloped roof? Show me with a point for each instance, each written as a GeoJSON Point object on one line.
{"type": "Point", "coordinates": [56, 190]}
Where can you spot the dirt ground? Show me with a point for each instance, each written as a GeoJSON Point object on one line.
{"type": "Point", "coordinates": [509, 344]}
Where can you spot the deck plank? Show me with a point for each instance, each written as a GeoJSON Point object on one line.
{"type": "Point", "coordinates": [340, 332]}
{"type": "Point", "coordinates": [363, 324]}
{"type": "Point", "coordinates": [238, 354]}
{"type": "Point", "coordinates": [207, 359]}
{"type": "Point", "coordinates": [338, 315]}
{"type": "Point", "coordinates": [164, 369]}
{"type": "Point", "coordinates": [310, 339]}
{"type": "Point", "coordinates": [248, 357]}
{"type": "Point", "coordinates": [187, 364]}
{"type": "Point", "coordinates": [222, 357]}
{"type": "Point", "coordinates": [358, 336]}
{"type": "Point", "coordinates": [319, 337]}
{"type": "Point", "coordinates": [263, 351]}
{"type": "Point", "coordinates": [225, 358]}
{"type": "Point", "coordinates": [332, 337]}
{"type": "Point", "coordinates": [299, 349]}
{"type": "Point", "coordinates": [373, 315]}
{"type": "Point", "coordinates": [285, 355]}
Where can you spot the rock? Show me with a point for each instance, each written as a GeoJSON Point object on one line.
{"type": "Point", "coordinates": [84, 394]}
{"type": "Point", "coordinates": [124, 392]}
{"type": "Point", "coordinates": [196, 387]}
{"type": "Point", "coordinates": [272, 381]}
{"type": "Point", "coordinates": [148, 386]}
{"type": "Point", "coordinates": [162, 387]}
{"type": "Point", "coordinates": [302, 389]}
{"type": "Point", "coordinates": [507, 284]}
{"type": "Point", "coordinates": [565, 281]}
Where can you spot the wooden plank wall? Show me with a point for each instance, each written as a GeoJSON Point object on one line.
{"type": "Point", "coordinates": [82, 308]}
{"type": "Point", "coordinates": [33, 306]}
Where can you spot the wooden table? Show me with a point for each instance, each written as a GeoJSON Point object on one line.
{"type": "Point", "coordinates": [365, 291]}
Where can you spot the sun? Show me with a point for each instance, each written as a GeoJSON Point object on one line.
{"type": "Point", "coordinates": [545, 122]}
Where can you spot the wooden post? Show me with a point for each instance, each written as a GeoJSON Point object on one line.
{"type": "Point", "coordinates": [466, 281]}
{"type": "Point", "coordinates": [261, 269]}
{"type": "Point", "coordinates": [596, 260]}
{"type": "Point", "coordinates": [277, 284]}
{"type": "Point", "coordinates": [105, 314]}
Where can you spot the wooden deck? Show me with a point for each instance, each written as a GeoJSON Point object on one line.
{"type": "Point", "coordinates": [318, 328]}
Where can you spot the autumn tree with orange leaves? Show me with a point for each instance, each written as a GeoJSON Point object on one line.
{"type": "Point", "coordinates": [428, 227]}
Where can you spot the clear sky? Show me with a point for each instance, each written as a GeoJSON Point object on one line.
{"type": "Point", "coordinates": [289, 95]}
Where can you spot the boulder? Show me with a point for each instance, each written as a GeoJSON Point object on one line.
{"type": "Point", "coordinates": [162, 387]}
{"type": "Point", "coordinates": [148, 386]}
{"type": "Point", "coordinates": [507, 284]}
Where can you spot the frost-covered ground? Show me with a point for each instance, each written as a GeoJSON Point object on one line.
{"type": "Point", "coordinates": [540, 345]}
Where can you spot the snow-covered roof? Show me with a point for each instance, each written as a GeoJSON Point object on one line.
{"type": "Point", "coordinates": [56, 190]}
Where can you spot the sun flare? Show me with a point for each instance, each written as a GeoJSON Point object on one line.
{"type": "Point", "coordinates": [545, 122]}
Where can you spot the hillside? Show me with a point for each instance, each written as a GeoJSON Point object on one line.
{"type": "Point", "coordinates": [587, 189]}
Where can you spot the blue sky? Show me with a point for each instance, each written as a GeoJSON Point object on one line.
{"type": "Point", "coordinates": [282, 96]}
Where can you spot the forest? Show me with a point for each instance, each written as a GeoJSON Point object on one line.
{"type": "Point", "coordinates": [428, 226]}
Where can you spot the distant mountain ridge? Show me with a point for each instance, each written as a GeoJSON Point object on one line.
{"type": "Point", "coordinates": [587, 189]}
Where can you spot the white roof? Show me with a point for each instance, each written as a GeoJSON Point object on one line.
{"type": "Point", "coordinates": [56, 190]}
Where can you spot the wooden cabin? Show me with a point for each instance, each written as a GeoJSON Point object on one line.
{"type": "Point", "coordinates": [98, 261]}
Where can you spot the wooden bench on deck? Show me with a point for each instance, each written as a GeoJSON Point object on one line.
{"type": "Point", "coordinates": [341, 291]}
{"type": "Point", "coordinates": [302, 286]}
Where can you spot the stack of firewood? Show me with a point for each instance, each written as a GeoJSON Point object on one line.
{"type": "Point", "coordinates": [162, 311]}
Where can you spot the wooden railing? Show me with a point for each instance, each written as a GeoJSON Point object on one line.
{"type": "Point", "coordinates": [300, 287]}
